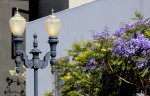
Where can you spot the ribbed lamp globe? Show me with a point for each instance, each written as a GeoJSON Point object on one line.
{"type": "Point", "coordinates": [17, 24]}
{"type": "Point", "coordinates": [53, 25]}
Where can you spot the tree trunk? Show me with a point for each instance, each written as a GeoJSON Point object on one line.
{"type": "Point", "coordinates": [145, 91]}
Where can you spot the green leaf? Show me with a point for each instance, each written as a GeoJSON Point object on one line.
{"type": "Point", "coordinates": [119, 82]}
{"type": "Point", "coordinates": [143, 73]}
{"type": "Point", "coordinates": [138, 15]}
{"type": "Point", "coordinates": [140, 59]}
{"type": "Point", "coordinates": [123, 66]}
{"type": "Point", "coordinates": [119, 62]}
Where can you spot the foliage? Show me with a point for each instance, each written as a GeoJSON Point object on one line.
{"type": "Point", "coordinates": [116, 65]}
{"type": "Point", "coordinates": [21, 75]}
{"type": "Point", "coordinates": [49, 93]}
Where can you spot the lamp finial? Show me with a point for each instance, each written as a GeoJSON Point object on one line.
{"type": "Point", "coordinates": [35, 43]}
{"type": "Point", "coordinates": [52, 11]}
{"type": "Point", "coordinates": [17, 9]}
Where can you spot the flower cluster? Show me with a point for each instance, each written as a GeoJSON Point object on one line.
{"type": "Point", "coordinates": [136, 45]}
{"type": "Point", "coordinates": [97, 36]}
{"type": "Point", "coordinates": [140, 23]}
{"type": "Point", "coordinates": [91, 64]}
{"type": "Point", "coordinates": [128, 48]}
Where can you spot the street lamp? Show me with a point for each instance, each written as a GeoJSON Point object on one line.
{"type": "Point", "coordinates": [17, 26]}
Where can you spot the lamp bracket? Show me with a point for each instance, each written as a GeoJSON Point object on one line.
{"type": "Point", "coordinates": [35, 62]}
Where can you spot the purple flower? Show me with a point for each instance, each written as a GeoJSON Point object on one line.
{"type": "Point", "coordinates": [135, 46]}
{"type": "Point", "coordinates": [91, 64]}
{"type": "Point", "coordinates": [141, 64]}
{"type": "Point", "coordinates": [140, 42]}
{"type": "Point", "coordinates": [96, 35]}
{"type": "Point", "coordinates": [128, 47]}
{"type": "Point", "coordinates": [122, 30]}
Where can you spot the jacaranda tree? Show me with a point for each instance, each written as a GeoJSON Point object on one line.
{"type": "Point", "coordinates": [109, 65]}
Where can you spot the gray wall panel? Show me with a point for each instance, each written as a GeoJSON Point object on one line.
{"type": "Point", "coordinates": [121, 11]}
{"type": "Point", "coordinates": [6, 62]}
{"type": "Point", "coordinates": [146, 8]}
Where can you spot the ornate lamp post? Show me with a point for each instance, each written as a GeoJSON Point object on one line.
{"type": "Point", "coordinates": [17, 26]}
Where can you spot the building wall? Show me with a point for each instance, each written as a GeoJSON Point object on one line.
{"type": "Point", "coordinates": [6, 63]}
{"type": "Point", "coordinates": [77, 24]}
{"type": "Point", "coordinates": [75, 3]}
{"type": "Point", "coordinates": [41, 8]}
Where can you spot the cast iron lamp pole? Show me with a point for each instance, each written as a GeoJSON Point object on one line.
{"type": "Point", "coordinates": [17, 25]}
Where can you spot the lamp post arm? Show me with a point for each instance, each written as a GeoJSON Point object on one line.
{"type": "Point", "coordinates": [45, 60]}
{"type": "Point", "coordinates": [27, 63]}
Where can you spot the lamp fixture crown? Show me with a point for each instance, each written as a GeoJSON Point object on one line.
{"type": "Point", "coordinates": [17, 24]}
{"type": "Point", "coordinates": [53, 25]}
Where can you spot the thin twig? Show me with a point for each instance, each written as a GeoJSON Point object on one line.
{"type": "Point", "coordinates": [123, 78]}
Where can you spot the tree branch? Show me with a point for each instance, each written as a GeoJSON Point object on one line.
{"type": "Point", "coordinates": [123, 78]}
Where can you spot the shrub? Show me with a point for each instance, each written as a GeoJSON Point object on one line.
{"type": "Point", "coordinates": [116, 65]}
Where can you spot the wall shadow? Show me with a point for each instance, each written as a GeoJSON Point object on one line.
{"type": "Point", "coordinates": [15, 87]}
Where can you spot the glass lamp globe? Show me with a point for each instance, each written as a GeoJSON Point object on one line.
{"type": "Point", "coordinates": [53, 25]}
{"type": "Point", "coordinates": [17, 24]}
